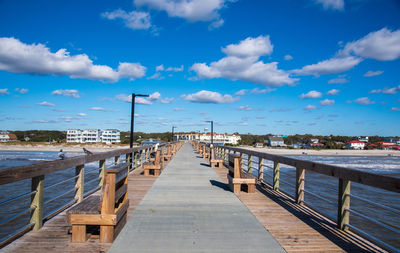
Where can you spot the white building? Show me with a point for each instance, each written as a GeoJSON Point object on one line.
{"type": "Point", "coordinates": [231, 139]}
{"type": "Point", "coordinates": [110, 136]}
{"type": "Point", "coordinates": [363, 139]}
{"type": "Point", "coordinates": [275, 141]}
{"type": "Point", "coordinates": [355, 144]}
{"type": "Point", "coordinates": [93, 136]}
{"type": "Point", "coordinates": [6, 136]}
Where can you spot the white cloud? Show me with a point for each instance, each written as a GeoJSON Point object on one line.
{"type": "Point", "coordinates": [175, 69]}
{"type": "Point", "coordinates": [205, 96]}
{"type": "Point", "coordinates": [191, 10]}
{"type": "Point", "coordinates": [288, 57]}
{"type": "Point", "coordinates": [216, 24]}
{"type": "Point", "coordinates": [242, 63]}
{"type": "Point", "coordinates": [382, 45]}
{"type": "Point", "coordinates": [160, 68]}
{"type": "Point", "coordinates": [310, 107]}
{"type": "Point", "coordinates": [135, 20]}
{"type": "Point", "coordinates": [395, 109]}
{"type": "Point", "coordinates": [327, 102]}
{"type": "Point", "coordinates": [4, 92]}
{"type": "Point", "coordinates": [250, 47]}
{"type": "Point", "coordinates": [262, 91]}
{"type": "Point", "coordinates": [244, 108]}
{"type": "Point", "coordinates": [243, 124]}
{"type": "Point", "coordinates": [167, 100]}
{"type": "Point", "coordinates": [155, 96]}
{"type": "Point", "coordinates": [332, 92]}
{"type": "Point", "coordinates": [67, 93]}
{"type": "Point", "coordinates": [45, 121]}
{"type": "Point", "coordinates": [282, 109]}
{"type": "Point", "coordinates": [331, 4]}
{"type": "Point", "coordinates": [334, 65]}
{"type": "Point", "coordinates": [386, 90]}
{"type": "Point", "coordinates": [156, 76]}
{"type": "Point", "coordinates": [241, 92]}
{"type": "Point", "coordinates": [364, 101]}
{"type": "Point", "coordinates": [18, 57]}
{"type": "Point", "coordinates": [45, 103]}
{"type": "Point", "coordinates": [100, 109]}
{"type": "Point", "coordinates": [82, 114]}
{"type": "Point", "coordinates": [311, 94]}
{"type": "Point", "coordinates": [339, 80]}
{"type": "Point", "coordinates": [371, 73]}
{"type": "Point", "coordinates": [21, 90]}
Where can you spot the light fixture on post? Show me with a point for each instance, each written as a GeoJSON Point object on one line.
{"type": "Point", "coordinates": [173, 127]}
{"type": "Point", "coordinates": [133, 116]}
{"type": "Point", "coordinates": [212, 130]}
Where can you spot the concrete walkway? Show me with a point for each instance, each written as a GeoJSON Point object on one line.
{"type": "Point", "coordinates": [189, 210]}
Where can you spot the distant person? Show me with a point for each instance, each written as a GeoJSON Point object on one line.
{"type": "Point", "coordinates": [87, 152]}
{"type": "Point", "coordinates": [61, 155]}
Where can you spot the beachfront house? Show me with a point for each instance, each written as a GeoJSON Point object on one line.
{"type": "Point", "coordinates": [275, 141]}
{"type": "Point", "coordinates": [258, 145]}
{"type": "Point", "coordinates": [315, 145]}
{"type": "Point", "coordinates": [6, 136]}
{"type": "Point", "coordinates": [363, 139]}
{"type": "Point", "coordinates": [110, 136]}
{"type": "Point", "coordinates": [355, 144]}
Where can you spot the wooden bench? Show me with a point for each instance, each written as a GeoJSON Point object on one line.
{"type": "Point", "coordinates": [237, 177]}
{"type": "Point", "coordinates": [153, 167]}
{"type": "Point", "coordinates": [214, 161]}
{"type": "Point", "coordinates": [168, 155]}
{"type": "Point", "coordinates": [107, 211]}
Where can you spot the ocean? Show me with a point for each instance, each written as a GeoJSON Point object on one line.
{"type": "Point", "coordinates": [323, 186]}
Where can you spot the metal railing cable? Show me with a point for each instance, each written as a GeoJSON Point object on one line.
{"type": "Point", "coordinates": [18, 197]}
{"type": "Point", "coordinates": [15, 216]}
{"type": "Point", "coordinates": [376, 204]}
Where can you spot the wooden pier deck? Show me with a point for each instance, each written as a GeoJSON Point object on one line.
{"type": "Point", "coordinates": [296, 228]}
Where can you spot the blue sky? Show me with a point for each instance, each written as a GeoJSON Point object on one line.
{"type": "Point", "coordinates": [281, 67]}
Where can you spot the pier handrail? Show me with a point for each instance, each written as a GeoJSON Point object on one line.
{"type": "Point", "coordinates": [135, 157]}
{"type": "Point", "coordinates": [344, 175]}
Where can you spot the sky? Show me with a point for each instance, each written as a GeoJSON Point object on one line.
{"type": "Point", "coordinates": [261, 66]}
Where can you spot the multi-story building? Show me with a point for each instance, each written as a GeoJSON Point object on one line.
{"type": "Point", "coordinates": [110, 136]}
{"type": "Point", "coordinates": [275, 141]}
{"type": "Point", "coordinates": [6, 136]}
{"type": "Point", "coordinates": [355, 144]}
{"type": "Point", "coordinates": [221, 139]}
{"type": "Point", "coordinates": [93, 136]}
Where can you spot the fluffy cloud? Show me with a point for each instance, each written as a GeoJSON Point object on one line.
{"type": "Point", "coordinates": [311, 94]}
{"type": "Point", "coordinates": [332, 92]}
{"type": "Point", "coordinates": [242, 63]}
{"type": "Point", "coordinates": [364, 101]}
{"type": "Point", "coordinates": [67, 93]}
{"type": "Point", "coordinates": [241, 92]}
{"type": "Point", "coordinates": [331, 4]}
{"type": "Point", "coordinates": [244, 108]}
{"type": "Point", "coordinates": [310, 107]}
{"type": "Point", "coordinates": [288, 57]}
{"type": "Point", "coordinates": [191, 10]}
{"type": "Point", "coordinates": [205, 96]}
{"type": "Point", "coordinates": [386, 90]}
{"type": "Point", "coordinates": [45, 103]}
{"type": "Point", "coordinates": [135, 20]}
{"type": "Point", "coordinates": [156, 76]}
{"type": "Point", "coordinates": [382, 45]}
{"type": "Point", "coordinates": [395, 109]}
{"type": "Point", "coordinates": [373, 73]}
{"type": "Point", "coordinates": [18, 57]}
{"type": "Point", "coordinates": [334, 65]}
{"type": "Point", "coordinates": [262, 91]}
{"type": "Point", "coordinates": [82, 114]}
{"type": "Point", "coordinates": [4, 92]}
{"type": "Point", "coordinates": [327, 102]}
{"type": "Point", "coordinates": [21, 90]}
{"type": "Point", "coordinates": [167, 100]}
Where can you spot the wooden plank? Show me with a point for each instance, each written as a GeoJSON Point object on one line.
{"type": "Point", "coordinates": [122, 210]}
{"type": "Point", "coordinates": [244, 180]}
{"type": "Point", "coordinates": [93, 219]}
{"type": "Point", "coordinates": [117, 168]}
{"type": "Point", "coordinates": [120, 192]}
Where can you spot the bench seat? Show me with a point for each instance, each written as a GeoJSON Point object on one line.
{"type": "Point", "coordinates": [238, 178]}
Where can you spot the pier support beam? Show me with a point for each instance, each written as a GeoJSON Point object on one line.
{"type": "Point", "coordinates": [300, 177]}
{"type": "Point", "coordinates": [276, 176]}
{"type": "Point", "coordinates": [37, 202]}
{"type": "Point", "coordinates": [343, 216]}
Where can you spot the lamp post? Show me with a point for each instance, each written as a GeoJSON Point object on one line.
{"type": "Point", "coordinates": [173, 127]}
{"type": "Point", "coordinates": [133, 116]}
{"type": "Point", "coordinates": [212, 130]}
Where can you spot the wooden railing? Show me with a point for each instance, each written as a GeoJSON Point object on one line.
{"type": "Point", "coordinates": [345, 177]}
{"type": "Point", "coordinates": [36, 173]}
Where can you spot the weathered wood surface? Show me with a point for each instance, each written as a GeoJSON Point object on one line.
{"type": "Point", "coordinates": [380, 181]}
{"type": "Point", "coordinates": [298, 228]}
{"type": "Point", "coordinates": [54, 236]}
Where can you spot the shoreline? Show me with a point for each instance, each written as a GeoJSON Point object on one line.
{"type": "Point", "coordinates": [284, 152]}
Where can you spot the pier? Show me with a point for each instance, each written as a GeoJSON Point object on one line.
{"type": "Point", "coordinates": [190, 206]}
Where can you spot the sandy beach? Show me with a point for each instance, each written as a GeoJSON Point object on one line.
{"type": "Point", "coordinates": [103, 148]}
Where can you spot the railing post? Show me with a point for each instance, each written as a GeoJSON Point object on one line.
{"type": "Point", "coordinates": [135, 160]}
{"type": "Point", "coordinates": [300, 177]}
{"type": "Point", "coordinates": [241, 161]}
{"type": "Point", "coordinates": [141, 158]}
{"type": "Point", "coordinates": [276, 176]}
{"type": "Point", "coordinates": [343, 204]}
{"type": "Point", "coordinates": [128, 160]}
{"type": "Point", "coordinates": [37, 202]}
{"type": "Point", "coordinates": [249, 163]}
{"type": "Point", "coordinates": [79, 182]}
{"type": "Point", "coordinates": [117, 159]}
{"type": "Point", "coordinates": [260, 168]}
{"type": "Point", "coordinates": [102, 167]}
